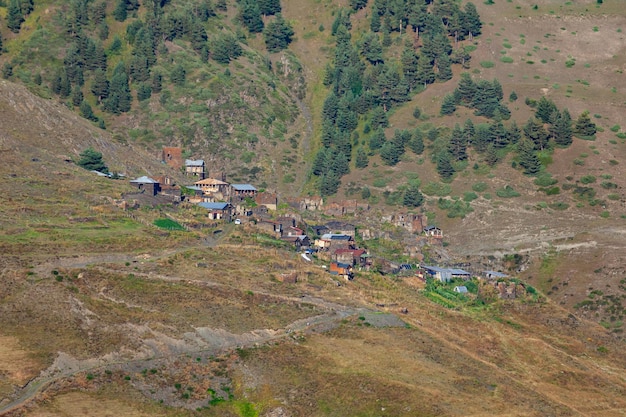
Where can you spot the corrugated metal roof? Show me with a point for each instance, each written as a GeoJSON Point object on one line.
{"type": "Point", "coordinates": [213, 206]}
{"type": "Point", "coordinates": [194, 162]}
{"type": "Point", "coordinates": [144, 180]}
{"type": "Point", "coordinates": [243, 187]}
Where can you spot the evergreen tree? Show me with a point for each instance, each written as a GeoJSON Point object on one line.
{"type": "Point", "coordinates": [378, 139]}
{"type": "Point", "coordinates": [329, 184]}
{"type": "Point", "coordinates": [1, 47]}
{"type": "Point", "coordinates": [466, 89]}
{"type": "Point", "coordinates": [584, 125]}
{"type": "Point", "coordinates": [472, 23]}
{"type": "Point", "coordinates": [144, 92]}
{"type": "Point", "coordinates": [77, 96]}
{"type": "Point", "coordinates": [120, 13]}
{"type": "Point", "coordinates": [361, 160]}
{"type": "Point", "coordinates": [390, 154]}
{"type": "Point", "coordinates": [409, 62]}
{"type": "Point", "coordinates": [371, 49]}
{"type": "Point", "coordinates": [563, 129]}
{"type": "Point", "coordinates": [7, 70]}
{"type": "Point", "coordinates": [469, 131]}
{"type": "Point", "coordinates": [339, 164]}
{"type": "Point", "coordinates": [91, 160]}
{"type": "Point", "coordinates": [278, 34]}
{"type": "Point", "coordinates": [416, 144]}
{"type": "Point", "coordinates": [375, 23]}
{"type": "Point", "coordinates": [100, 85]}
{"type": "Point", "coordinates": [499, 135]}
{"type": "Point", "coordinates": [412, 197]}
{"type": "Point", "coordinates": [513, 96]}
{"type": "Point", "coordinates": [444, 166]}
{"type": "Point", "coordinates": [26, 6]}
{"type": "Point", "coordinates": [544, 110]}
{"type": "Point", "coordinates": [379, 118]}
{"type": "Point", "coordinates": [178, 75]}
{"type": "Point", "coordinates": [534, 130]}
{"type": "Point", "coordinates": [481, 138]}
{"type": "Point", "coordinates": [14, 17]}
{"type": "Point", "coordinates": [425, 72]}
{"type": "Point", "coordinates": [250, 15]}
{"type": "Point", "coordinates": [444, 67]}
{"type": "Point", "coordinates": [491, 155]}
{"type": "Point", "coordinates": [269, 7]}
{"type": "Point", "coordinates": [120, 99]}
{"type": "Point", "coordinates": [87, 112]}
{"type": "Point", "coordinates": [514, 134]}
{"type": "Point", "coordinates": [528, 159]}
{"type": "Point", "coordinates": [320, 163]}
{"type": "Point", "coordinates": [457, 147]}
{"type": "Point", "coordinates": [448, 105]}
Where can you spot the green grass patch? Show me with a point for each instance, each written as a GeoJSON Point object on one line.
{"type": "Point", "coordinates": [479, 187]}
{"type": "Point", "coordinates": [506, 59]}
{"type": "Point", "coordinates": [487, 64]}
{"type": "Point", "coordinates": [168, 224]}
{"type": "Point", "coordinates": [437, 189]}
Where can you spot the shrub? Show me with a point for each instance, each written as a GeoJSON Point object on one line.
{"type": "Point", "coordinates": [487, 64]}
{"type": "Point", "coordinates": [608, 185]}
{"type": "Point", "coordinates": [506, 59]}
{"type": "Point", "coordinates": [437, 189]}
{"type": "Point", "coordinates": [507, 192]}
{"type": "Point", "coordinates": [588, 179]}
{"type": "Point", "coordinates": [559, 206]}
{"type": "Point", "coordinates": [470, 196]}
{"type": "Point", "coordinates": [615, 128]}
{"type": "Point", "coordinates": [479, 187]}
{"type": "Point", "coordinates": [545, 180]}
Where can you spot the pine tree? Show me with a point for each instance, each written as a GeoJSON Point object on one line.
{"type": "Point", "coordinates": [458, 144]}
{"type": "Point", "coordinates": [375, 23]}
{"type": "Point", "coordinates": [379, 118]}
{"type": "Point", "coordinates": [250, 16]}
{"type": "Point", "coordinates": [178, 75]}
{"type": "Point", "coordinates": [499, 135]}
{"type": "Point", "coordinates": [87, 112]}
{"type": "Point", "coordinates": [472, 23]}
{"type": "Point", "coordinates": [361, 160]}
{"type": "Point", "coordinates": [466, 89]}
{"type": "Point", "coordinates": [77, 96]}
{"type": "Point", "coordinates": [371, 48]}
{"type": "Point", "coordinates": [1, 47]}
{"type": "Point", "coordinates": [425, 72]}
{"type": "Point", "coordinates": [91, 160]}
{"type": "Point", "coordinates": [534, 130]}
{"type": "Point", "coordinates": [144, 92]}
{"type": "Point", "coordinates": [563, 129]}
{"type": "Point", "coordinates": [444, 67]}
{"type": "Point", "coordinates": [15, 17]}
{"type": "Point", "coordinates": [100, 85]}
{"type": "Point", "coordinates": [320, 163]}
{"type": "Point", "coordinates": [120, 13]}
{"type": "Point", "coordinates": [444, 166]}
{"type": "Point", "coordinates": [584, 125]}
{"type": "Point", "coordinates": [120, 99]}
{"type": "Point", "coordinates": [378, 139]}
{"type": "Point", "coordinates": [390, 154]}
{"type": "Point", "coordinates": [514, 134]}
{"type": "Point", "coordinates": [416, 144]}
{"type": "Point", "coordinates": [157, 83]}
{"type": "Point", "coordinates": [278, 34]}
{"type": "Point", "coordinates": [329, 184]}
{"type": "Point", "coordinates": [544, 110]}
{"type": "Point", "coordinates": [412, 197]}
{"type": "Point", "coordinates": [448, 105]}
{"type": "Point", "coordinates": [7, 70]}
{"type": "Point", "coordinates": [269, 7]}
{"type": "Point", "coordinates": [491, 155]}
{"type": "Point", "coordinates": [528, 159]}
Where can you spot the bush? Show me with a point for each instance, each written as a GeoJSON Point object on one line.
{"type": "Point", "coordinates": [588, 179]}
{"type": "Point", "coordinates": [506, 59]}
{"type": "Point", "coordinates": [479, 187]}
{"type": "Point", "coordinates": [470, 196]}
{"type": "Point", "coordinates": [487, 64]}
{"type": "Point", "coordinates": [507, 192]}
{"type": "Point", "coordinates": [437, 189]}
{"type": "Point", "coordinates": [545, 180]}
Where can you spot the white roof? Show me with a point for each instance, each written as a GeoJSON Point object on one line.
{"type": "Point", "coordinates": [144, 180]}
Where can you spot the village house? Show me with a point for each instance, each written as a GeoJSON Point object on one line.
{"type": "Point", "coordinates": [213, 189]}
{"type": "Point", "coordinates": [446, 274]}
{"type": "Point", "coordinates": [194, 168]}
{"type": "Point", "coordinates": [146, 185]}
{"type": "Point", "coordinates": [270, 227]}
{"type": "Point", "coordinates": [243, 190]}
{"type": "Point", "coordinates": [331, 242]}
{"type": "Point", "coordinates": [298, 242]}
{"type": "Point", "coordinates": [320, 230]}
{"type": "Point", "coordinates": [342, 270]}
{"type": "Point", "coordinates": [491, 275]}
{"type": "Point", "coordinates": [351, 256]}
{"type": "Point", "coordinates": [267, 199]}
{"type": "Point", "coordinates": [414, 223]}
{"type": "Point", "coordinates": [193, 194]}
{"type": "Point", "coordinates": [217, 211]}
{"type": "Point", "coordinates": [312, 203]}
{"type": "Point", "coordinates": [286, 221]}
{"type": "Point", "coordinates": [173, 157]}
{"type": "Point", "coordinates": [433, 231]}
{"type": "Point", "coordinates": [341, 228]}
{"type": "Point", "coordinates": [168, 187]}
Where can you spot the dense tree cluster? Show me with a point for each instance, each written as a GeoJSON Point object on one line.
{"type": "Point", "coordinates": [364, 84]}
{"type": "Point", "coordinates": [484, 97]}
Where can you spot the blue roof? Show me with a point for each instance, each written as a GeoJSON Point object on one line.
{"type": "Point", "coordinates": [214, 206]}
{"type": "Point", "coordinates": [455, 271]}
{"type": "Point", "coordinates": [243, 187]}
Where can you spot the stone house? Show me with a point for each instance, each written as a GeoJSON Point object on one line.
{"type": "Point", "coordinates": [147, 185]}
{"type": "Point", "coordinates": [173, 157]}
{"type": "Point", "coordinates": [213, 189]}
{"type": "Point", "coordinates": [217, 211]}
{"type": "Point", "coordinates": [267, 199]}
{"type": "Point", "coordinates": [195, 168]}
